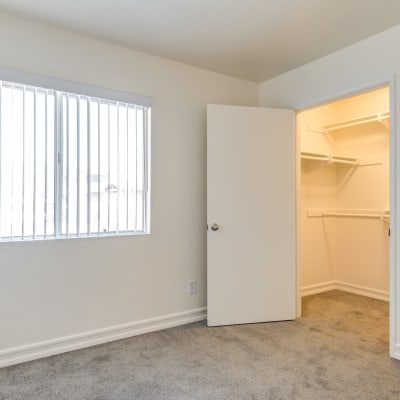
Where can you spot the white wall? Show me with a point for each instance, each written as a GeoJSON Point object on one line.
{"type": "Point", "coordinates": [53, 289]}
{"type": "Point", "coordinates": [360, 66]}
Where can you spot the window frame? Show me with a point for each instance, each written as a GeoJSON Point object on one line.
{"type": "Point", "coordinates": [61, 87]}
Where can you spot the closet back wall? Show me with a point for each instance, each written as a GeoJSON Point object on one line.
{"type": "Point", "coordinates": [349, 253]}
{"type": "Point", "coordinates": [363, 243]}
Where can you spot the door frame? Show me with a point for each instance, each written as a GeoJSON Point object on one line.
{"type": "Point", "coordinates": [394, 185]}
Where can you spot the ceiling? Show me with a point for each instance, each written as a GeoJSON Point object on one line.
{"type": "Point", "coordinates": [250, 39]}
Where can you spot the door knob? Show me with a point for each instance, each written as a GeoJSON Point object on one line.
{"type": "Point", "coordinates": [214, 227]}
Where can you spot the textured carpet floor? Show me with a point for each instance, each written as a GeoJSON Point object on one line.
{"type": "Point", "coordinates": [337, 350]}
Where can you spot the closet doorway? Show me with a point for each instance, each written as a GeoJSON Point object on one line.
{"type": "Point", "coordinates": [343, 196]}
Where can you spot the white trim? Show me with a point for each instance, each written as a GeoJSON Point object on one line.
{"type": "Point", "coordinates": [298, 216]}
{"type": "Point", "coordinates": [345, 287]}
{"type": "Point", "coordinates": [318, 288]}
{"type": "Point", "coordinates": [394, 220]}
{"type": "Point", "coordinates": [46, 82]}
{"type": "Point", "coordinates": [363, 291]}
{"type": "Point", "coordinates": [51, 347]}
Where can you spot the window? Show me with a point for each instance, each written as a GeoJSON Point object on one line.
{"type": "Point", "coordinates": [71, 165]}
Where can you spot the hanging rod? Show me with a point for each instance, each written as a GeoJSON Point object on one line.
{"type": "Point", "coordinates": [382, 215]}
{"type": "Point", "coordinates": [376, 117]}
{"type": "Point", "coordinates": [353, 215]}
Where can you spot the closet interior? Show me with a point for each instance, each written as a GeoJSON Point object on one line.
{"type": "Point", "coordinates": [344, 196]}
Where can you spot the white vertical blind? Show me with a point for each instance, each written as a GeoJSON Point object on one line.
{"type": "Point", "coordinates": [71, 165]}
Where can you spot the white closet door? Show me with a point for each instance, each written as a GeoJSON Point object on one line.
{"type": "Point", "coordinates": [251, 207]}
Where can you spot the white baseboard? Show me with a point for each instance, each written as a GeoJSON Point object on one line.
{"type": "Point", "coordinates": [345, 287]}
{"type": "Point", "coordinates": [363, 291]}
{"type": "Point", "coordinates": [51, 347]}
{"type": "Point", "coordinates": [318, 288]}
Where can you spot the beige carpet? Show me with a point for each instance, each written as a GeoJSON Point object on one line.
{"type": "Point", "coordinates": [337, 350]}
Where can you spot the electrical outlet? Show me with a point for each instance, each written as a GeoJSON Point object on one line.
{"type": "Point", "coordinates": [192, 286]}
